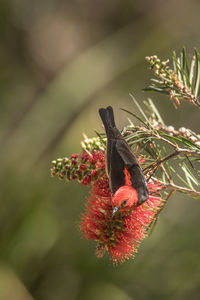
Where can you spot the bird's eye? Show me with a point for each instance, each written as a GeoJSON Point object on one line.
{"type": "Point", "coordinates": [123, 203]}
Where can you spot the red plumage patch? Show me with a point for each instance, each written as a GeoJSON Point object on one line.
{"type": "Point", "coordinates": [127, 177]}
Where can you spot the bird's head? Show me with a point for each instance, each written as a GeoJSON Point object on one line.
{"type": "Point", "coordinates": [124, 199]}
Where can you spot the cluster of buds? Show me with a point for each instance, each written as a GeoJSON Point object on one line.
{"type": "Point", "coordinates": [182, 131]}
{"type": "Point", "coordinates": [85, 167]}
{"type": "Point", "coordinates": [170, 82]}
{"type": "Point", "coordinates": [183, 91]}
{"type": "Point", "coordinates": [90, 144]}
{"type": "Point", "coordinates": [161, 68]}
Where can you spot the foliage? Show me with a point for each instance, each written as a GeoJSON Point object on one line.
{"type": "Point", "coordinates": [159, 144]}
{"type": "Point", "coordinates": [182, 82]}
{"type": "Point", "coordinates": [160, 150]}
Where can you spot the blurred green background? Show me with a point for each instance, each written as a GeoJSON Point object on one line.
{"type": "Point", "coordinates": [60, 61]}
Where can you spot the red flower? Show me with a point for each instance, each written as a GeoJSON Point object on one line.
{"type": "Point", "coordinates": [82, 167]}
{"type": "Point", "coordinates": [120, 235]}
{"type": "Point", "coordinates": [74, 162]}
{"type": "Point", "coordinates": [93, 173]}
{"type": "Point", "coordinates": [86, 180]}
{"type": "Point", "coordinates": [74, 156]}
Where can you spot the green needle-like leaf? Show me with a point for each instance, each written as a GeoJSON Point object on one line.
{"type": "Point", "coordinates": [192, 70]}
{"type": "Point", "coordinates": [189, 174]}
{"type": "Point", "coordinates": [135, 116]}
{"type": "Point", "coordinates": [197, 77]}
{"type": "Point", "coordinates": [160, 120]}
{"type": "Point", "coordinates": [188, 143]}
{"type": "Point", "coordinates": [185, 182]}
{"type": "Point", "coordinates": [170, 137]}
{"type": "Point", "coordinates": [185, 62]}
{"type": "Point", "coordinates": [182, 67]}
{"type": "Point", "coordinates": [100, 137]}
{"type": "Point", "coordinates": [140, 109]}
{"type": "Point", "coordinates": [152, 88]}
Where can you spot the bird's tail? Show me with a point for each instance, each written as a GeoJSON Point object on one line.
{"type": "Point", "coordinates": [107, 117]}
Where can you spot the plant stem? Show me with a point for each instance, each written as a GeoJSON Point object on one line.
{"type": "Point", "coordinates": [175, 187]}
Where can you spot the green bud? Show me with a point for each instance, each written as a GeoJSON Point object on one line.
{"type": "Point", "coordinates": [59, 159]}
{"type": "Point", "coordinates": [59, 165]}
{"type": "Point", "coordinates": [83, 145]}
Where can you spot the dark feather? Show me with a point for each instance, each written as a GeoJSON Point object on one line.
{"type": "Point", "coordinates": [119, 157]}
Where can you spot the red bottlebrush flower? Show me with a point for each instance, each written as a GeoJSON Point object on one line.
{"type": "Point", "coordinates": [100, 165]}
{"type": "Point", "coordinates": [74, 162]}
{"type": "Point", "coordinates": [93, 173]}
{"type": "Point", "coordinates": [74, 156]}
{"type": "Point", "coordinates": [120, 235]}
{"type": "Point", "coordinates": [82, 167]}
{"type": "Point", "coordinates": [86, 180]}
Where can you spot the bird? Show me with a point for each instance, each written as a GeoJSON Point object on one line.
{"type": "Point", "coordinates": [126, 179]}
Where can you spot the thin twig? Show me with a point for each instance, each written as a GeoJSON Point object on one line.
{"type": "Point", "coordinates": [165, 140]}
{"type": "Point", "coordinates": [180, 150]}
{"type": "Point", "coordinates": [165, 172]}
{"type": "Point", "coordinates": [160, 161]}
{"type": "Point", "coordinates": [175, 187]}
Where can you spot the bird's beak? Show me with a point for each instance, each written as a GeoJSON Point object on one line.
{"type": "Point", "coordinates": [115, 209]}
